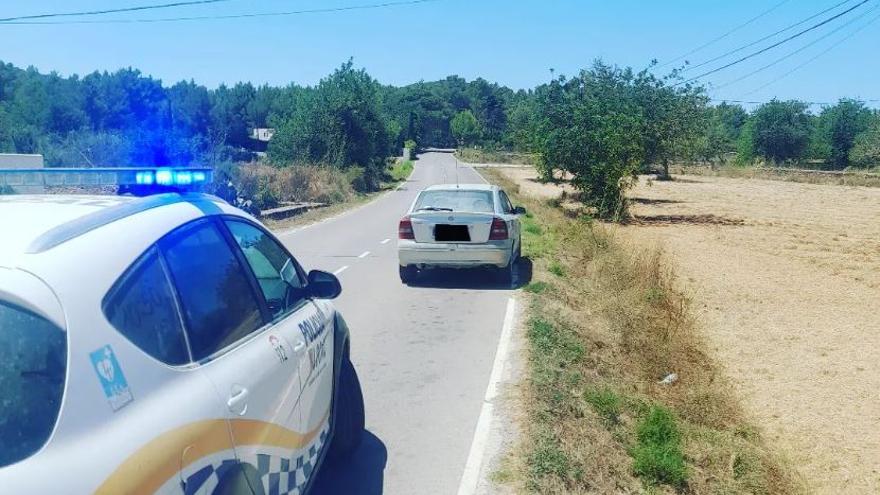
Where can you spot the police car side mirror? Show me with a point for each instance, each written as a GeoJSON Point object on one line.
{"type": "Point", "coordinates": [519, 210]}
{"type": "Point", "coordinates": [323, 285]}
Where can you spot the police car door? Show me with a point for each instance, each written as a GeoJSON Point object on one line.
{"type": "Point", "coordinates": [250, 361]}
{"type": "Point", "coordinates": [297, 335]}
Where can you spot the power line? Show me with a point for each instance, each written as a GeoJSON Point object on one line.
{"type": "Point", "coordinates": [765, 38]}
{"type": "Point", "coordinates": [774, 45]}
{"type": "Point", "coordinates": [817, 56]}
{"type": "Point", "coordinates": [110, 11]}
{"type": "Point", "coordinates": [799, 50]}
{"type": "Point", "coordinates": [232, 16]}
{"type": "Point", "coordinates": [812, 103]}
{"type": "Point", "coordinates": [725, 35]}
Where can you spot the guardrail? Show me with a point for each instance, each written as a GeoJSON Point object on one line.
{"type": "Point", "coordinates": [288, 210]}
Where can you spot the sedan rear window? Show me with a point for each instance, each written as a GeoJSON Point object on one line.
{"type": "Point", "coordinates": [33, 361]}
{"type": "Point", "coordinates": [456, 200]}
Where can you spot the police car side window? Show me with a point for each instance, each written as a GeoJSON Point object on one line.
{"type": "Point", "coordinates": [216, 298]}
{"type": "Point", "coordinates": [141, 307]}
{"type": "Point", "coordinates": [275, 270]}
{"type": "Point", "coordinates": [33, 362]}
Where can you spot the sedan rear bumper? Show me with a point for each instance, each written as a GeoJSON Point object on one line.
{"type": "Point", "coordinates": [426, 254]}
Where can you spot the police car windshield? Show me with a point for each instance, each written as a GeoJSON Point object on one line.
{"type": "Point", "coordinates": [456, 200]}
{"type": "Point", "coordinates": [33, 355]}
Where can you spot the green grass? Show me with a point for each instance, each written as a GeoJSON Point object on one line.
{"type": "Point", "coordinates": [657, 455]}
{"type": "Point", "coordinates": [537, 287]}
{"type": "Point", "coordinates": [606, 402]}
{"type": "Point", "coordinates": [556, 269]}
{"type": "Point", "coordinates": [401, 170]}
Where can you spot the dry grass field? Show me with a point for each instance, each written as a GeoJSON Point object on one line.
{"type": "Point", "coordinates": [785, 280]}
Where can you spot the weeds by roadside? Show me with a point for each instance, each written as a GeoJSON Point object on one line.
{"type": "Point", "coordinates": [606, 326]}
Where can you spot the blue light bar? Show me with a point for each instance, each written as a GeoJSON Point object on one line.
{"type": "Point", "coordinates": [184, 178]}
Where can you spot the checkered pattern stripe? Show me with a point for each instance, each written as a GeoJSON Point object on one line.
{"type": "Point", "coordinates": [281, 475]}
{"type": "Point", "coordinates": [205, 480]}
{"type": "Point", "coordinates": [288, 475]}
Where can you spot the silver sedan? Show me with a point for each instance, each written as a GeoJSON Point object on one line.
{"type": "Point", "coordinates": [460, 226]}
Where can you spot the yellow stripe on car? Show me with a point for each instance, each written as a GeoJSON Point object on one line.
{"type": "Point", "coordinates": [145, 471]}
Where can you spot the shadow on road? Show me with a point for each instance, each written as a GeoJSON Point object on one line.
{"type": "Point", "coordinates": [363, 474]}
{"type": "Point", "coordinates": [475, 278]}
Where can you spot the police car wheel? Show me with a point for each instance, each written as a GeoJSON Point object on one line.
{"type": "Point", "coordinates": [408, 273]}
{"type": "Point", "coordinates": [349, 426]}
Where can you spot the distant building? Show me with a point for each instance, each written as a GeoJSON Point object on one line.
{"type": "Point", "coordinates": [16, 161]}
{"type": "Point", "coordinates": [263, 134]}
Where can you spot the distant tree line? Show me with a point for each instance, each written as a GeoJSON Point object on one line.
{"type": "Point", "coordinates": [601, 126]}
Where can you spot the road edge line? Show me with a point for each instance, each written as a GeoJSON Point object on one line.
{"type": "Point", "coordinates": [474, 465]}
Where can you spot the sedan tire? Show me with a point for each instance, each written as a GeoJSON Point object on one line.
{"type": "Point", "coordinates": [408, 274]}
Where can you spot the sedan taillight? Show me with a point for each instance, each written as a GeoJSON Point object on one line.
{"type": "Point", "coordinates": [499, 230]}
{"type": "Point", "coordinates": [405, 229]}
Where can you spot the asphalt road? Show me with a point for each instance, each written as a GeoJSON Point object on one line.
{"type": "Point", "coordinates": [424, 354]}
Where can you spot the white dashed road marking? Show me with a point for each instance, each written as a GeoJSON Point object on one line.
{"type": "Point", "coordinates": [364, 254]}
{"type": "Point", "coordinates": [385, 241]}
{"type": "Point", "coordinates": [337, 272]}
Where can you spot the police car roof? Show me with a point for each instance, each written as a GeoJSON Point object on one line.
{"type": "Point", "coordinates": [35, 223]}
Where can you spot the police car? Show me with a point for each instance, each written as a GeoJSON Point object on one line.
{"type": "Point", "coordinates": [165, 343]}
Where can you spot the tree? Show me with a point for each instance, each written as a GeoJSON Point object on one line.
{"type": "Point", "coordinates": [339, 123]}
{"type": "Point", "coordinates": [781, 130]}
{"type": "Point", "coordinates": [724, 125]}
{"type": "Point", "coordinates": [842, 123]}
{"type": "Point", "coordinates": [593, 128]}
{"type": "Point", "coordinates": [465, 128]}
{"type": "Point", "coordinates": [866, 146]}
{"type": "Point", "coordinates": [674, 117]}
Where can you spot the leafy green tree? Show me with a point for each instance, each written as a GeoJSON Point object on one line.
{"type": "Point", "coordinates": [674, 117]}
{"type": "Point", "coordinates": [866, 146]}
{"type": "Point", "coordinates": [339, 123]}
{"type": "Point", "coordinates": [594, 129]}
{"type": "Point", "coordinates": [781, 130]}
{"type": "Point", "coordinates": [723, 128]}
{"type": "Point", "coordinates": [841, 124]}
{"type": "Point", "coordinates": [465, 128]}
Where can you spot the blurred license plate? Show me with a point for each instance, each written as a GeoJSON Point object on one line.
{"type": "Point", "coordinates": [451, 233]}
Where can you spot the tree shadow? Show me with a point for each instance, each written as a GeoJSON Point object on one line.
{"type": "Point", "coordinates": [650, 201]}
{"type": "Point", "coordinates": [362, 474]}
{"type": "Point", "coordinates": [706, 219]}
{"type": "Point", "coordinates": [473, 278]}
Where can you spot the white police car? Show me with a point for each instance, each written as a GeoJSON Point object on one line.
{"type": "Point", "coordinates": [163, 344]}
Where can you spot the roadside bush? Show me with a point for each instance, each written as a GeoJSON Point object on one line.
{"type": "Point", "coordinates": [267, 186]}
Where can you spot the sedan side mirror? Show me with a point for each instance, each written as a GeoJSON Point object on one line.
{"type": "Point", "coordinates": [323, 285]}
{"type": "Point", "coordinates": [519, 210]}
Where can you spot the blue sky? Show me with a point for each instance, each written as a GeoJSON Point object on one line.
{"type": "Point", "coordinates": [512, 42]}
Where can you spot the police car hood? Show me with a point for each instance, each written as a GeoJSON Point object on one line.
{"type": "Point", "coordinates": [25, 218]}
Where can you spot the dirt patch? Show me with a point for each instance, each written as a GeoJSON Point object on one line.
{"type": "Point", "coordinates": [785, 278]}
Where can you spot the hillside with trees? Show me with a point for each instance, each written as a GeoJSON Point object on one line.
{"type": "Point", "coordinates": [602, 126]}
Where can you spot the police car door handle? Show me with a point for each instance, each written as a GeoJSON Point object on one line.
{"type": "Point", "coordinates": [237, 402]}
{"type": "Point", "coordinates": [299, 346]}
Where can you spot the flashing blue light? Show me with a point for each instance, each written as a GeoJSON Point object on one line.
{"type": "Point", "coordinates": [164, 177]}
{"type": "Point", "coordinates": [199, 177]}
{"type": "Point", "coordinates": [144, 178]}
{"type": "Point", "coordinates": [183, 178]}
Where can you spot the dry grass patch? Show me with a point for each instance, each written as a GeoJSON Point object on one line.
{"type": "Point", "coordinates": [607, 325]}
